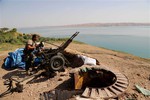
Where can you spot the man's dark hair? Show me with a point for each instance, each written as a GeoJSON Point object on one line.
{"type": "Point", "coordinates": [34, 36]}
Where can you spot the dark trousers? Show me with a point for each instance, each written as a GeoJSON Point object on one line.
{"type": "Point", "coordinates": [28, 60]}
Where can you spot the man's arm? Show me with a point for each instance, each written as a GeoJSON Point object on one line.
{"type": "Point", "coordinates": [30, 47]}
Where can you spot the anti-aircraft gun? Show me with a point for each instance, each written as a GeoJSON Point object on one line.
{"type": "Point", "coordinates": [54, 58]}
{"type": "Point", "coordinates": [51, 60]}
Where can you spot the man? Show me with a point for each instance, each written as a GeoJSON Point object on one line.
{"type": "Point", "coordinates": [29, 51]}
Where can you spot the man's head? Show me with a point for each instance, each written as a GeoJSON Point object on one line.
{"type": "Point", "coordinates": [35, 37]}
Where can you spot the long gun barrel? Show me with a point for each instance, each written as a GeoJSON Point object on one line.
{"type": "Point", "coordinates": [65, 45]}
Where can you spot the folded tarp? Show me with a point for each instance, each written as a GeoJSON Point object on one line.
{"type": "Point", "coordinates": [15, 59]}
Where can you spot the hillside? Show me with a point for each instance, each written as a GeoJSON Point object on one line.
{"type": "Point", "coordinates": [136, 69]}
{"type": "Point", "coordinates": [12, 36]}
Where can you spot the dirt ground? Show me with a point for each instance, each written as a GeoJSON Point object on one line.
{"type": "Point", "coordinates": [136, 69]}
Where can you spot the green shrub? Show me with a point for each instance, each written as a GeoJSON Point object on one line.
{"type": "Point", "coordinates": [13, 37]}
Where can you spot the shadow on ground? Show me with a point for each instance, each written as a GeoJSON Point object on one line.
{"type": "Point", "coordinates": [63, 91]}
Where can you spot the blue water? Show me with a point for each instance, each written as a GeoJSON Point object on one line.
{"type": "Point", "coordinates": [131, 39]}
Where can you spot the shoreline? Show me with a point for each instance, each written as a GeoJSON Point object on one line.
{"type": "Point", "coordinates": [108, 37]}
{"type": "Point", "coordinates": [11, 47]}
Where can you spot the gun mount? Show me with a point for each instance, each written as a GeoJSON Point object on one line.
{"type": "Point", "coordinates": [54, 58]}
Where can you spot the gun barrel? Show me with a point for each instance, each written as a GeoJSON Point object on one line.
{"type": "Point", "coordinates": [74, 35]}
{"type": "Point", "coordinates": [65, 45]}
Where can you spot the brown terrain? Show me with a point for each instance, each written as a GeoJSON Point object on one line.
{"type": "Point", "coordinates": [136, 69]}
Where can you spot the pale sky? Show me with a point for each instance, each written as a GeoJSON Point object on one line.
{"type": "Point", "coordinates": [31, 13]}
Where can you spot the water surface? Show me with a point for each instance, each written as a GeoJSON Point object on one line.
{"type": "Point", "coordinates": [131, 39]}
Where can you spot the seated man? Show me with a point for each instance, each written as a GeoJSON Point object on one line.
{"type": "Point", "coordinates": [29, 51]}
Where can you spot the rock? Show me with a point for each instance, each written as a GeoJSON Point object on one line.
{"type": "Point", "coordinates": [138, 74]}
{"type": "Point", "coordinates": [131, 96]}
{"type": "Point", "coordinates": [60, 79]}
{"type": "Point", "coordinates": [28, 95]}
{"type": "Point", "coordinates": [31, 94]}
{"type": "Point", "coordinates": [63, 74]}
{"type": "Point", "coordinates": [115, 55]}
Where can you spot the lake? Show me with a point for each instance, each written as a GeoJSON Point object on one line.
{"type": "Point", "coordinates": [130, 39]}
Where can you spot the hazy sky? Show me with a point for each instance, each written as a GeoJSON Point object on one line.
{"type": "Point", "coordinates": [29, 13]}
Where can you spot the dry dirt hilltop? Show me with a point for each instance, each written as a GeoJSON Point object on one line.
{"type": "Point", "coordinates": [136, 69]}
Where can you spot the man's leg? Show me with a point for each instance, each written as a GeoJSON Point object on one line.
{"type": "Point", "coordinates": [28, 64]}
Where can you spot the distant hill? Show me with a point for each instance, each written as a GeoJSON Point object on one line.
{"type": "Point", "coordinates": [95, 24]}
{"type": "Point", "coordinates": [108, 24]}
